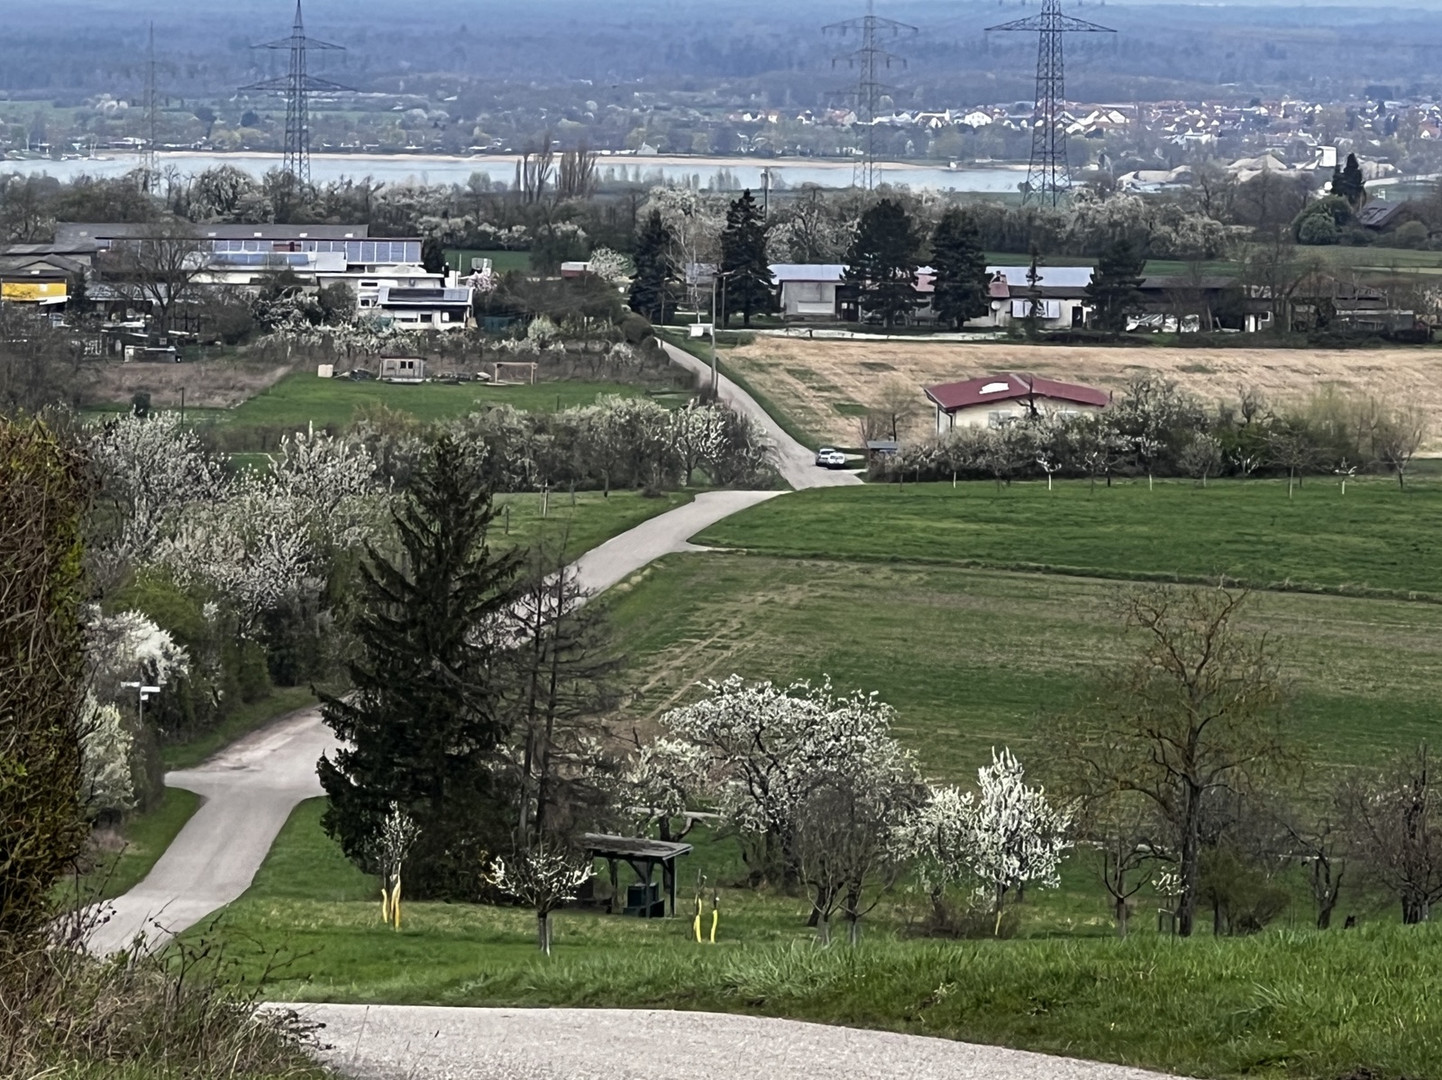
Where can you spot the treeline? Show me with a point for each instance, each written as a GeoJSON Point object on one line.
{"type": "Point", "coordinates": [1154, 429]}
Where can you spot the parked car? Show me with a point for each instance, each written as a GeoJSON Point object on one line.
{"type": "Point", "coordinates": [828, 457]}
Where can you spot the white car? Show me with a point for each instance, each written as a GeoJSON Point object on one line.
{"type": "Point", "coordinates": [828, 457]}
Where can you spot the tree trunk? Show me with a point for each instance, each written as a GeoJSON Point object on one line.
{"type": "Point", "coordinates": [1123, 914]}
{"type": "Point", "coordinates": [543, 931]}
{"type": "Point", "coordinates": [853, 930]}
{"type": "Point", "coordinates": [1191, 853]}
{"type": "Point", "coordinates": [823, 929]}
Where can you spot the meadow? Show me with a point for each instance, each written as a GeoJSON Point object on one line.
{"type": "Point", "coordinates": [1373, 540]}
{"type": "Point", "coordinates": [1288, 1003]}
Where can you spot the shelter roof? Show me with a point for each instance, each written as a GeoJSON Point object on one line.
{"type": "Point", "coordinates": [633, 847]}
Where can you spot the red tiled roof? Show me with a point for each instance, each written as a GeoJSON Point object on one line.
{"type": "Point", "coordinates": [961, 395]}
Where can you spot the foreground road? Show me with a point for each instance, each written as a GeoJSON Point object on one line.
{"type": "Point", "coordinates": [249, 790]}
{"type": "Point", "coordinates": [429, 1043]}
{"type": "Point", "coordinates": [795, 462]}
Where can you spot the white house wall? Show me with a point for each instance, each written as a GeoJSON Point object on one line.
{"type": "Point", "coordinates": [989, 414]}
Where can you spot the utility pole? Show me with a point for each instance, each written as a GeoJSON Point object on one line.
{"type": "Point", "coordinates": [1048, 177]}
{"type": "Point", "coordinates": [149, 171]}
{"type": "Point", "coordinates": [297, 85]}
{"type": "Point", "coordinates": [868, 60]}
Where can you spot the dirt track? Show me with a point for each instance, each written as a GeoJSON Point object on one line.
{"type": "Point", "coordinates": [824, 384]}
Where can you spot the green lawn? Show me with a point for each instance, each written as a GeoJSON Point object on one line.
{"type": "Point", "coordinates": [146, 836]}
{"type": "Point", "coordinates": [501, 261]}
{"type": "Point", "coordinates": [1373, 540]}
{"type": "Point", "coordinates": [302, 399]}
{"type": "Point", "coordinates": [1288, 1003]}
{"type": "Point", "coordinates": [584, 520]}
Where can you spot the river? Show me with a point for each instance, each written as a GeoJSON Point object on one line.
{"type": "Point", "coordinates": [435, 169]}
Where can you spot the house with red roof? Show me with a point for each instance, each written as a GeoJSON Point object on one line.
{"type": "Point", "coordinates": [998, 400]}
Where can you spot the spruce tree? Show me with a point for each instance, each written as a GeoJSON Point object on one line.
{"type": "Point", "coordinates": [1349, 183]}
{"type": "Point", "coordinates": [423, 724]}
{"type": "Point", "coordinates": [747, 286]}
{"type": "Point", "coordinates": [960, 269]}
{"type": "Point", "coordinates": [1115, 289]}
{"type": "Point", "coordinates": [882, 261]}
{"type": "Point", "coordinates": [651, 285]}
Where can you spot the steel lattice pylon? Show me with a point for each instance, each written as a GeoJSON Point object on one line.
{"type": "Point", "coordinates": [297, 84]}
{"type": "Point", "coordinates": [868, 60]}
{"type": "Point", "coordinates": [1048, 177]}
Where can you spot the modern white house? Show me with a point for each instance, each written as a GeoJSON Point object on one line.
{"type": "Point", "coordinates": [998, 400]}
{"type": "Point", "coordinates": [422, 307]}
{"type": "Point", "coordinates": [807, 290]}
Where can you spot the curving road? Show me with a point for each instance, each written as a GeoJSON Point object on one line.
{"type": "Point", "coordinates": [431, 1043]}
{"type": "Point", "coordinates": [795, 462]}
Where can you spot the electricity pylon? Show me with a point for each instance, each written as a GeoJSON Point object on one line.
{"type": "Point", "coordinates": [868, 60]}
{"type": "Point", "coordinates": [297, 84]}
{"type": "Point", "coordinates": [1048, 177]}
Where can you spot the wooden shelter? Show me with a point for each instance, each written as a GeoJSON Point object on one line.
{"type": "Point", "coordinates": [642, 855]}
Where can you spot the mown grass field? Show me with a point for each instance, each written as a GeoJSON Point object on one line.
{"type": "Point", "coordinates": [302, 399]}
{"type": "Point", "coordinates": [1374, 539]}
{"type": "Point", "coordinates": [1290, 1003]}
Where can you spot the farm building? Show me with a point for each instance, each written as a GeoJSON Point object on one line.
{"type": "Point", "coordinates": [998, 400]}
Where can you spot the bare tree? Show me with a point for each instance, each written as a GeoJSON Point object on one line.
{"type": "Point", "coordinates": [159, 267]}
{"type": "Point", "coordinates": [897, 406]}
{"type": "Point", "coordinates": [1291, 447]}
{"type": "Point", "coordinates": [1314, 826]}
{"type": "Point", "coordinates": [1195, 714]}
{"type": "Point", "coordinates": [1397, 435]}
{"type": "Point", "coordinates": [1398, 823]}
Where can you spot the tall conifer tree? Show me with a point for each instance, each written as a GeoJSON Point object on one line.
{"type": "Point", "coordinates": [882, 261]}
{"type": "Point", "coordinates": [651, 285]}
{"type": "Point", "coordinates": [960, 266]}
{"type": "Point", "coordinates": [423, 724]}
{"type": "Point", "coordinates": [746, 285]}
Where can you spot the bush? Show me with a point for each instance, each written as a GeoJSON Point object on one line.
{"type": "Point", "coordinates": [966, 920]}
{"type": "Point", "coordinates": [1411, 234]}
{"type": "Point", "coordinates": [636, 328]}
{"type": "Point", "coordinates": [65, 1012]}
{"type": "Point", "coordinates": [1317, 229]}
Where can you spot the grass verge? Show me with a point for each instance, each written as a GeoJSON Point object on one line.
{"type": "Point", "coordinates": [146, 836]}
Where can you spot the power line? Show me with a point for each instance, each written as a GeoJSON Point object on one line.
{"type": "Point", "coordinates": [868, 60]}
{"type": "Point", "coordinates": [297, 85]}
{"type": "Point", "coordinates": [1048, 177]}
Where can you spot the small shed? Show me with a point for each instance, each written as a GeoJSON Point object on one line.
{"type": "Point", "coordinates": [403, 369]}
{"type": "Point", "coordinates": [647, 898]}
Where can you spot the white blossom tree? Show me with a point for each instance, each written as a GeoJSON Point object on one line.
{"type": "Point", "coordinates": [768, 749]}
{"type": "Point", "coordinates": [543, 878]}
{"type": "Point", "coordinates": [1002, 838]}
{"type": "Point", "coordinates": [667, 780]}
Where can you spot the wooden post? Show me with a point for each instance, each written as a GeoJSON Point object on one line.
{"type": "Point", "coordinates": [611, 904]}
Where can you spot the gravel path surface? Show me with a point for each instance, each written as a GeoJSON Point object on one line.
{"type": "Point", "coordinates": [402, 1042]}
{"type": "Point", "coordinates": [795, 462]}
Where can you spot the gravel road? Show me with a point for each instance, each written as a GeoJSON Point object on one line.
{"type": "Point", "coordinates": [795, 462]}
{"type": "Point", "coordinates": [402, 1042]}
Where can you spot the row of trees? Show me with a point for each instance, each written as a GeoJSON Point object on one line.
{"type": "Point", "coordinates": [1154, 429]}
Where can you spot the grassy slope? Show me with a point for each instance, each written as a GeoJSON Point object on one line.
{"type": "Point", "coordinates": [591, 520]}
{"type": "Point", "coordinates": [302, 398]}
{"type": "Point", "coordinates": [1373, 538]}
{"type": "Point", "coordinates": [973, 659]}
{"type": "Point", "coordinates": [1292, 1003]}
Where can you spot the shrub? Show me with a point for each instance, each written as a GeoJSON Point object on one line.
{"type": "Point", "coordinates": [1411, 234]}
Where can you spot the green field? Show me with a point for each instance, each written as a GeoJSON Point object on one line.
{"type": "Point", "coordinates": [501, 261]}
{"type": "Point", "coordinates": [1374, 539]}
{"type": "Point", "coordinates": [583, 520]}
{"type": "Point", "coordinates": [302, 399]}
